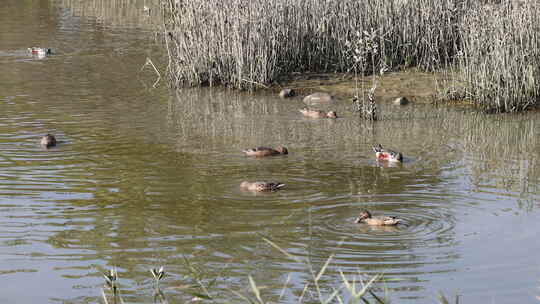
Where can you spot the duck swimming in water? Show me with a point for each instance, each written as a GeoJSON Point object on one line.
{"type": "Point", "coordinates": [265, 151]}
{"type": "Point", "coordinates": [286, 93]}
{"type": "Point", "coordinates": [39, 51]}
{"type": "Point", "coordinates": [261, 186]}
{"type": "Point", "coordinates": [48, 141]}
{"type": "Point", "coordinates": [387, 155]}
{"type": "Point", "coordinates": [318, 113]}
{"type": "Point", "coordinates": [319, 98]}
{"type": "Point", "coordinates": [365, 217]}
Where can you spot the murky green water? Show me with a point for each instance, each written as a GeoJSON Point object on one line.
{"type": "Point", "coordinates": [143, 177]}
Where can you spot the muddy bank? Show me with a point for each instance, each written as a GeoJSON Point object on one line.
{"type": "Point", "coordinates": [415, 86]}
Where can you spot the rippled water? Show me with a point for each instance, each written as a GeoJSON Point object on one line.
{"type": "Point", "coordinates": [143, 177]}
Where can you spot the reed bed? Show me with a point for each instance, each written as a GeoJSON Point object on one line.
{"type": "Point", "coordinates": [497, 64]}
{"type": "Point", "coordinates": [490, 48]}
{"type": "Point", "coordinates": [250, 43]}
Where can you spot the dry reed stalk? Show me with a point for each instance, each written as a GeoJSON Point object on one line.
{"type": "Point", "coordinates": [244, 44]}
{"type": "Point", "coordinates": [500, 48]}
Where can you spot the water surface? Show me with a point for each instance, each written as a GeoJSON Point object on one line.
{"type": "Point", "coordinates": [145, 177]}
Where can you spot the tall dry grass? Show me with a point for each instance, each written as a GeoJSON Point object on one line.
{"type": "Point", "coordinates": [497, 66]}
{"type": "Point", "coordinates": [491, 47]}
{"type": "Point", "coordinates": [250, 43]}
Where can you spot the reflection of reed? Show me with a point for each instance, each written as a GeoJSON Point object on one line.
{"type": "Point", "coordinates": [208, 121]}
{"type": "Point", "coordinates": [223, 117]}
{"type": "Point", "coordinates": [500, 151]}
{"type": "Point", "coordinates": [503, 154]}
{"type": "Point", "coordinates": [538, 297]}
{"type": "Point", "coordinates": [118, 12]}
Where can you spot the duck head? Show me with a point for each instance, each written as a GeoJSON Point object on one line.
{"type": "Point", "coordinates": [282, 150]}
{"type": "Point", "coordinates": [397, 156]}
{"type": "Point", "coordinates": [363, 215]}
{"type": "Point", "coordinates": [244, 184]}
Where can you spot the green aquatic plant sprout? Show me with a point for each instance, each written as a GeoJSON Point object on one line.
{"type": "Point", "coordinates": [111, 278]}
{"type": "Point", "coordinates": [347, 292]}
{"type": "Point", "coordinates": [355, 288]}
{"type": "Point", "coordinates": [158, 274]}
{"type": "Point", "coordinates": [444, 300]}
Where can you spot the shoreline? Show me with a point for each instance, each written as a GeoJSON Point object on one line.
{"type": "Point", "coordinates": [419, 87]}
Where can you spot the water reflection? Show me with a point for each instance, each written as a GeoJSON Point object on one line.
{"type": "Point", "coordinates": [145, 178]}
{"type": "Point", "coordinates": [115, 13]}
{"type": "Point", "coordinates": [333, 187]}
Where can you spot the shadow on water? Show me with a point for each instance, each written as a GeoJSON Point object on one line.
{"type": "Point", "coordinates": [147, 177]}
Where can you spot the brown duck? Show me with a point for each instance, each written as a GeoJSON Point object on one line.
{"type": "Point", "coordinates": [265, 151]}
{"type": "Point", "coordinates": [365, 217]}
{"type": "Point", "coordinates": [319, 98]}
{"type": "Point", "coordinates": [318, 113]}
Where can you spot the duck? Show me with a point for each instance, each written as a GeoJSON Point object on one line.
{"type": "Point", "coordinates": [319, 98]}
{"type": "Point", "coordinates": [261, 186]}
{"type": "Point", "coordinates": [365, 217]}
{"type": "Point", "coordinates": [39, 51]}
{"type": "Point", "coordinates": [266, 151]}
{"type": "Point", "coordinates": [285, 93]}
{"type": "Point", "coordinates": [48, 141]}
{"type": "Point", "coordinates": [318, 113]}
{"type": "Point", "coordinates": [387, 155]}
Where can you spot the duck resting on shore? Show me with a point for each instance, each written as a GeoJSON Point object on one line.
{"type": "Point", "coordinates": [266, 151]}
{"type": "Point", "coordinates": [261, 186]}
{"type": "Point", "coordinates": [365, 217]}
{"type": "Point", "coordinates": [387, 155]}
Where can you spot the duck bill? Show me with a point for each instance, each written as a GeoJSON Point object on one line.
{"type": "Point", "coordinates": [358, 220]}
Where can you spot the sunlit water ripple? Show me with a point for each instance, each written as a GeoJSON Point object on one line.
{"type": "Point", "coordinates": [143, 177]}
